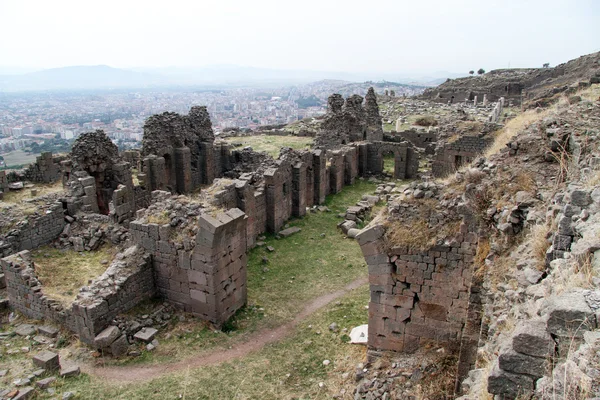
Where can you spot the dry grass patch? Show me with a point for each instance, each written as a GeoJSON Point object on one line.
{"type": "Point", "coordinates": [503, 136]}
{"type": "Point", "coordinates": [540, 244]}
{"type": "Point", "coordinates": [63, 272]}
{"type": "Point", "coordinates": [160, 218]}
{"type": "Point", "coordinates": [271, 144]}
{"type": "Point", "coordinates": [415, 232]}
{"type": "Point", "coordinates": [21, 197]}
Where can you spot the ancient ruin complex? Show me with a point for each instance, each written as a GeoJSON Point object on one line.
{"type": "Point", "coordinates": [473, 251]}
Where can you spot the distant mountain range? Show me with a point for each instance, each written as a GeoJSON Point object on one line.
{"type": "Point", "coordinates": [105, 77]}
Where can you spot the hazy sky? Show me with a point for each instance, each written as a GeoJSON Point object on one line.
{"type": "Point", "coordinates": [349, 35]}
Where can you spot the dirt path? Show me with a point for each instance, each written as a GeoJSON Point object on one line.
{"type": "Point", "coordinates": [256, 341]}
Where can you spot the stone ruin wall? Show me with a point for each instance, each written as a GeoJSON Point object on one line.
{"type": "Point", "coordinates": [422, 140]}
{"type": "Point", "coordinates": [124, 284]}
{"type": "Point", "coordinates": [417, 296]}
{"type": "Point", "coordinates": [35, 231]}
{"type": "Point", "coordinates": [451, 156]}
{"type": "Point", "coordinates": [45, 169]}
{"type": "Point", "coordinates": [207, 277]}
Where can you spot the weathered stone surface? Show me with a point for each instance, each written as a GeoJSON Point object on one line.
{"type": "Point", "coordinates": [24, 393]}
{"type": "Point", "coordinates": [507, 385]}
{"type": "Point", "coordinates": [531, 338]}
{"type": "Point", "coordinates": [48, 331]}
{"type": "Point", "coordinates": [25, 330]}
{"type": "Point", "coordinates": [120, 346]}
{"type": "Point", "coordinates": [46, 382]}
{"type": "Point", "coordinates": [145, 334]}
{"type": "Point", "coordinates": [570, 314]}
{"type": "Point", "coordinates": [70, 371]}
{"type": "Point", "coordinates": [106, 337]}
{"type": "Point", "coordinates": [518, 363]}
{"type": "Point", "coordinates": [289, 231]}
{"type": "Point", "coordinates": [46, 360]}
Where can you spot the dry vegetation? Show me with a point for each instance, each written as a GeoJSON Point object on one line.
{"type": "Point", "coordinates": [271, 144]}
{"type": "Point", "coordinates": [63, 272]}
{"type": "Point", "coordinates": [416, 233]}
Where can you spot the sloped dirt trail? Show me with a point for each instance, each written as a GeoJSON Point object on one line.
{"type": "Point", "coordinates": [255, 342]}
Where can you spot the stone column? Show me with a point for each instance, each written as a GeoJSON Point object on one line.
{"type": "Point", "coordinates": [217, 274]}
{"type": "Point", "coordinates": [319, 171]}
{"type": "Point", "coordinates": [299, 190]}
{"type": "Point", "coordinates": [183, 170]}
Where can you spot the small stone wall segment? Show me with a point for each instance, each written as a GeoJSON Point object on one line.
{"type": "Point", "coordinates": [320, 176]}
{"type": "Point", "coordinates": [350, 164]}
{"type": "Point", "coordinates": [422, 140]}
{"type": "Point", "coordinates": [461, 152]}
{"type": "Point", "coordinates": [417, 296]}
{"type": "Point", "coordinates": [155, 172]}
{"type": "Point", "coordinates": [299, 189]}
{"type": "Point", "coordinates": [121, 287]}
{"type": "Point", "coordinates": [45, 169]}
{"type": "Point", "coordinates": [217, 274]}
{"type": "Point", "coordinates": [207, 163]}
{"type": "Point", "coordinates": [406, 160]}
{"type": "Point", "coordinates": [336, 171]}
{"type": "Point", "coordinates": [278, 186]}
{"type": "Point", "coordinates": [497, 111]}
{"type": "Point", "coordinates": [34, 231]}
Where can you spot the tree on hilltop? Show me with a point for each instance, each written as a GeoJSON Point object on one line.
{"type": "Point", "coordinates": [546, 65]}
{"type": "Point", "coordinates": [481, 71]}
{"type": "Point", "coordinates": [471, 72]}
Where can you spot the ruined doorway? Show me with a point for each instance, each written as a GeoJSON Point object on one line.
{"type": "Point", "coordinates": [103, 196]}
{"type": "Point", "coordinates": [388, 160]}
{"type": "Point", "coordinates": [458, 162]}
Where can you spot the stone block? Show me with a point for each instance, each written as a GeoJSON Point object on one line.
{"type": "Point", "coordinates": [24, 393]}
{"type": "Point", "coordinates": [531, 338]}
{"type": "Point", "coordinates": [105, 338]}
{"type": "Point", "coordinates": [289, 231]}
{"type": "Point", "coordinates": [46, 360]}
{"type": "Point", "coordinates": [507, 385]}
{"type": "Point", "coordinates": [120, 346]}
{"type": "Point", "coordinates": [70, 371]}
{"type": "Point", "coordinates": [569, 314]}
{"type": "Point", "coordinates": [25, 330]}
{"type": "Point", "coordinates": [45, 383]}
{"type": "Point", "coordinates": [518, 363]}
{"type": "Point", "coordinates": [48, 331]}
{"type": "Point", "coordinates": [145, 334]}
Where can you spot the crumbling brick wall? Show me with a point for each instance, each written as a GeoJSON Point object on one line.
{"type": "Point", "coordinates": [423, 140]}
{"type": "Point", "coordinates": [35, 231]}
{"type": "Point", "coordinates": [206, 276]}
{"type": "Point", "coordinates": [127, 282]}
{"type": "Point", "coordinates": [451, 156]}
{"type": "Point", "coordinates": [45, 169]}
{"type": "Point", "coordinates": [417, 296]}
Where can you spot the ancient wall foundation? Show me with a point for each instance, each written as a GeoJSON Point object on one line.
{"type": "Point", "coordinates": [128, 281]}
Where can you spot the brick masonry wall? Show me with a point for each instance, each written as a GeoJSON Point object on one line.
{"type": "Point", "coordinates": [466, 147]}
{"type": "Point", "coordinates": [417, 296]}
{"type": "Point", "coordinates": [34, 231]}
{"type": "Point", "coordinates": [121, 287]}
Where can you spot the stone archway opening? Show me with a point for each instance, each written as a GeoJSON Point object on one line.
{"type": "Point", "coordinates": [388, 162]}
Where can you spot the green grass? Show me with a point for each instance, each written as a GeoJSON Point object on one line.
{"type": "Point", "coordinates": [389, 163]}
{"type": "Point", "coordinates": [271, 143]}
{"type": "Point", "coordinates": [279, 289]}
{"type": "Point", "coordinates": [302, 267]}
{"type": "Point", "coordinates": [292, 368]}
